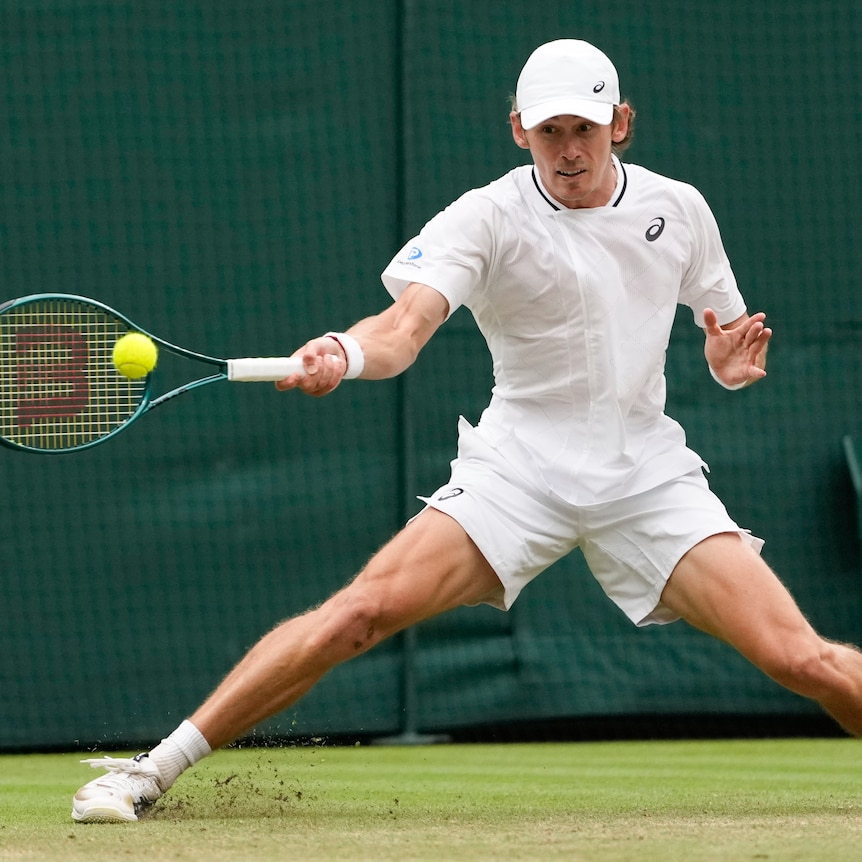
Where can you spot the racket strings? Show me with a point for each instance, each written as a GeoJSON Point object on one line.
{"type": "Point", "coordinates": [58, 385]}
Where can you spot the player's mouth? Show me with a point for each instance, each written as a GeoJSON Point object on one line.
{"type": "Point", "coordinates": [571, 173]}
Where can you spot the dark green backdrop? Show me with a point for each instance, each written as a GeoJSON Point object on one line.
{"type": "Point", "coordinates": [234, 176]}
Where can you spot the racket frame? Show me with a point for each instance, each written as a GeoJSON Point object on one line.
{"type": "Point", "coordinates": [147, 401]}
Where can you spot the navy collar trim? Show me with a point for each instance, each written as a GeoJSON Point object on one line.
{"type": "Point", "coordinates": [555, 206]}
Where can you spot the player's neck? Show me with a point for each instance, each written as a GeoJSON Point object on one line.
{"type": "Point", "coordinates": [601, 195]}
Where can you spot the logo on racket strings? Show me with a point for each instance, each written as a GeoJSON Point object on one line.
{"type": "Point", "coordinates": [50, 379]}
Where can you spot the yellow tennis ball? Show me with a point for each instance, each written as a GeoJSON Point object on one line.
{"type": "Point", "coordinates": [135, 355]}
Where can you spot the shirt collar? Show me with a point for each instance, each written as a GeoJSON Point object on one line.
{"type": "Point", "coordinates": [616, 197]}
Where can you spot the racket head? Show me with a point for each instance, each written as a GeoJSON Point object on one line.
{"type": "Point", "coordinates": [59, 389]}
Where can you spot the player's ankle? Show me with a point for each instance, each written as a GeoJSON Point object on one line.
{"type": "Point", "coordinates": [177, 752]}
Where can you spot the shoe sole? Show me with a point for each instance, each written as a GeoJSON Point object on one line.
{"type": "Point", "coordinates": [102, 815]}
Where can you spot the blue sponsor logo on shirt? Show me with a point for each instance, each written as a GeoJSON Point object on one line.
{"type": "Point", "coordinates": [414, 253]}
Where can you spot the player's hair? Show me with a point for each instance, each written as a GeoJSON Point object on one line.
{"type": "Point", "coordinates": [618, 147]}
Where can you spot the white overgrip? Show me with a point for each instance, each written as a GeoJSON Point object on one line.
{"type": "Point", "coordinates": [257, 369]}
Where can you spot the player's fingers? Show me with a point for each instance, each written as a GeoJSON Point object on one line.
{"type": "Point", "coordinates": [754, 322]}
{"type": "Point", "coordinates": [322, 370]}
{"type": "Point", "coordinates": [752, 333]}
{"type": "Point", "coordinates": [290, 382]}
{"type": "Point", "coordinates": [330, 369]}
{"type": "Point", "coordinates": [323, 375]}
{"type": "Point", "coordinates": [759, 344]}
{"type": "Point", "coordinates": [310, 366]}
{"type": "Point", "coordinates": [710, 322]}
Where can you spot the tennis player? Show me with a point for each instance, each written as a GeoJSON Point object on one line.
{"type": "Point", "coordinates": [573, 268]}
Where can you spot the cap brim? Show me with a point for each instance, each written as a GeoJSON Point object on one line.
{"type": "Point", "coordinates": [596, 112]}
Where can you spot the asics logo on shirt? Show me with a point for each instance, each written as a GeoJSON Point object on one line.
{"type": "Point", "coordinates": [455, 492]}
{"type": "Point", "coordinates": [655, 229]}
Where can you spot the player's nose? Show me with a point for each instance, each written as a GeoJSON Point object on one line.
{"type": "Point", "coordinates": [570, 148]}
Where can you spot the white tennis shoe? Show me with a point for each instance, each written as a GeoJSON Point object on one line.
{"type": "Point", "coordinates": [130, 786]}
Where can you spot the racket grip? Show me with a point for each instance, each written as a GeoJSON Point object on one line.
{"type": "Point", "coordinates": [256, 369]}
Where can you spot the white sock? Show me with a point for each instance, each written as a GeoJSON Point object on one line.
{"type": "Point", "coordinates": [177, 752]}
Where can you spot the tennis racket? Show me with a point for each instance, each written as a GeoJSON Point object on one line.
{"type": "Point", "coordinates": [59, 389]}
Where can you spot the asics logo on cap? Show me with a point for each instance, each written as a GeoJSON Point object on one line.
{"type": "Point", "coordinates": [599, 87]}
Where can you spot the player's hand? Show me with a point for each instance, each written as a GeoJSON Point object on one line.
{"type": "Point", "coordinates": [737, 354]}
{"type": "Point", "coordinates": [324, 367]}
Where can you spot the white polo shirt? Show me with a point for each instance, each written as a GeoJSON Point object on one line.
{"type": "Point", "coordinates": [577, 308]}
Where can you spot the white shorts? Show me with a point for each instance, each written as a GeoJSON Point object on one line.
{"type": "Point", "coordinates": [631, 545]}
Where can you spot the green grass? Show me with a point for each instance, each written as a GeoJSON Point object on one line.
{"type": "Point", "coordinates": [597, 802]}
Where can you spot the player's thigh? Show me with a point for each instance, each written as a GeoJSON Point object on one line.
{"type": "Point", "coordinates": [429, 567]}
{"type": "Point", "coordinates": [723, 587]}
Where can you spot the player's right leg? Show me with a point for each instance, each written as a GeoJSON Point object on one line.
{"type": "Point", "coordinates": [431, 566]}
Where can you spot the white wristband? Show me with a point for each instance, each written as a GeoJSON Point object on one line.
{"type": "Point", "coordinates": [352, 352]}
{"type": "Point", "coordinates": [720, 382]}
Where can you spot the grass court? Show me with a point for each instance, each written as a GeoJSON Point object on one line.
{"type": "Point", "coordinates": [798, 799]}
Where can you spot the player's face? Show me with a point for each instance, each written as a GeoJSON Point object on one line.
{"type": "Point", "coordinates": [573, 157]}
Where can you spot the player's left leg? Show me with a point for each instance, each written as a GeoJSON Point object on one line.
{"type": "Point", "coordinates": [724, 588]}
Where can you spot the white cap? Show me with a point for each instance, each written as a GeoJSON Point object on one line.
{"type": "Point", "coordinates": [567, 76]}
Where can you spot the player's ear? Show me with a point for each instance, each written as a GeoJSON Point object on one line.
{"type": "Point", "coordinates": [518, 132]}
{"type": "Point", "coordinates": [620, 123]}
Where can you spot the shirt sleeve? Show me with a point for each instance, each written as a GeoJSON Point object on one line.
{"type": "Point", "coordinates": [709, 281]}
{"type": "Point", "coordinates": [451, 254]}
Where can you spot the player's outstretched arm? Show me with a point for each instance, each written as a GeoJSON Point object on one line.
{"type": "Point", "coordinates": [736, 352]}
{"type": "Point", "coordinates": [389, 341]}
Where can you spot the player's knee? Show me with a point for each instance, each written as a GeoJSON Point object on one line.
{"type": "Point", "coordinates": [352, 621]}
{"type": "Point", "coordinates": [364, 620]}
